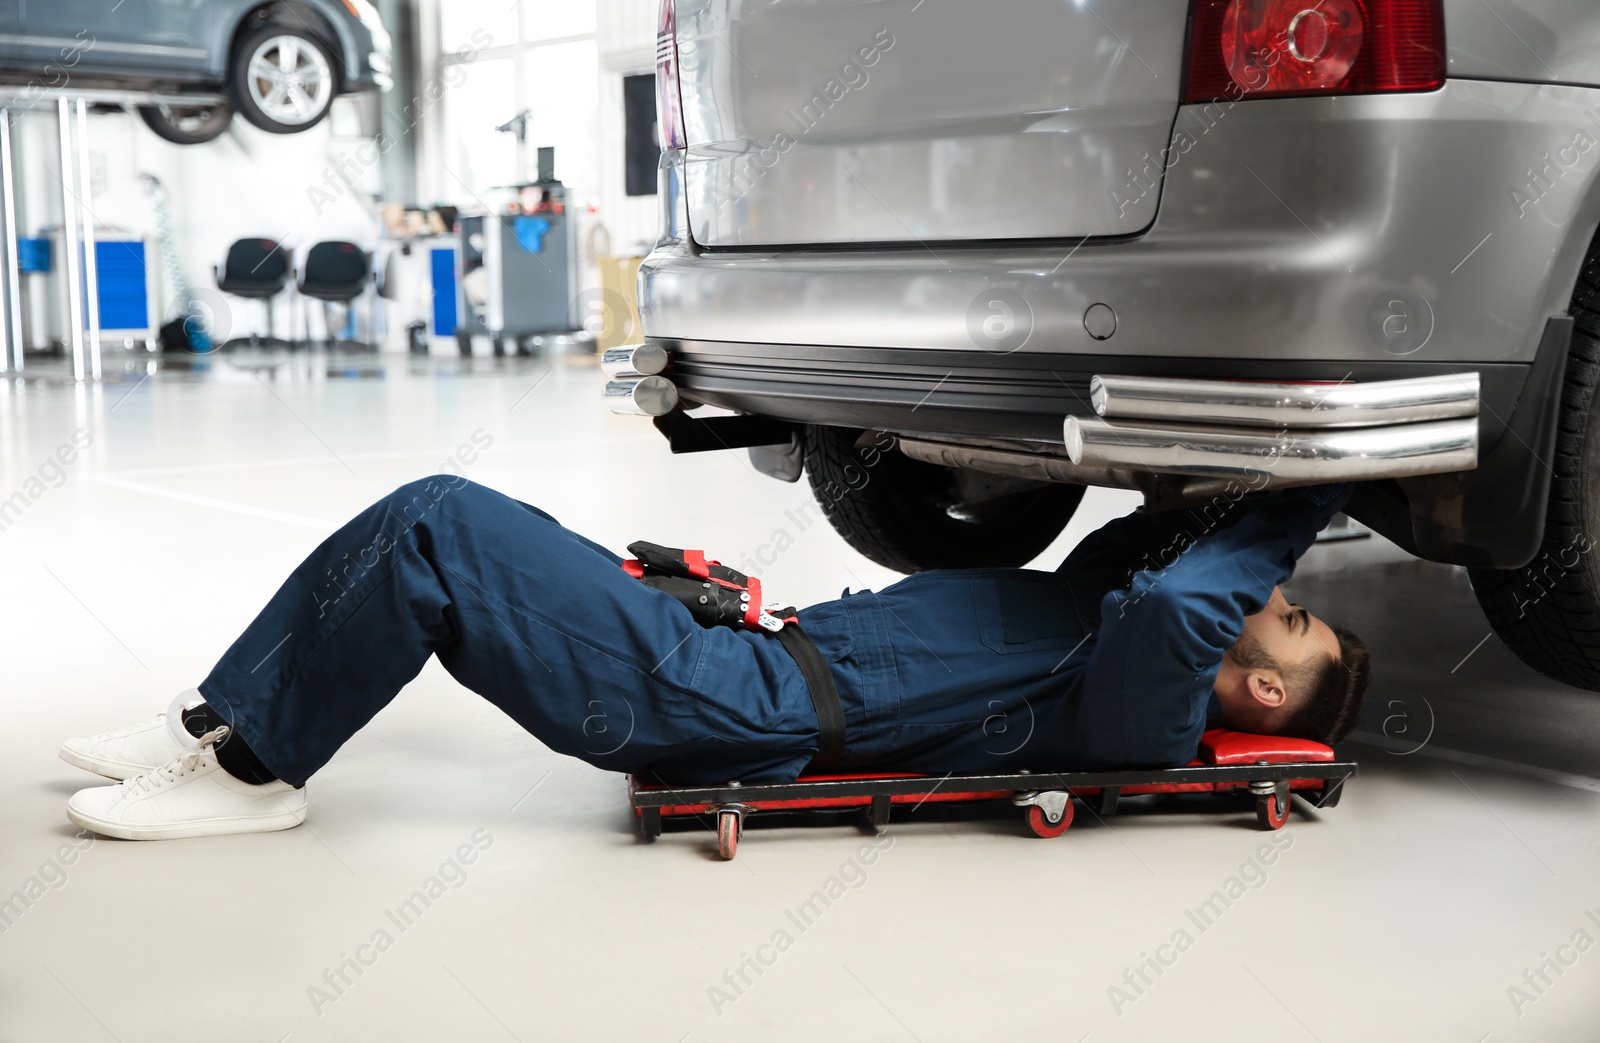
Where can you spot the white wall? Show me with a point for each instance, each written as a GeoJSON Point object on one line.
{"type": "Point", "coordinates": [626, 33]}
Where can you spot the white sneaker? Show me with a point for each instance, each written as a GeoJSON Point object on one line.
{"type": "Point", "coordinates": [189, 796]}
{"type": "Point", "coordinates": [126, 753]}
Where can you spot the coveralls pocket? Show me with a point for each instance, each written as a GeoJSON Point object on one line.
{"type": "Point", "coordinates": [828, 625]}
{"type": "Point", "coordinates": [1020, 611]}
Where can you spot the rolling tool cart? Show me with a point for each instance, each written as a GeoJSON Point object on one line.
{"type": "Point", "coordinates": [518, 267]}
{"type": "Point", "coordinates": [1268, 766]}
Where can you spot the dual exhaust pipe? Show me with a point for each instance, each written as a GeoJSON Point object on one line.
{"type": "Point", "coordinates": [1291, 433]}
{"type": "Point", "coordinates": [636, 386]}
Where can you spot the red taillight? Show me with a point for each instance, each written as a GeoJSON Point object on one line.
{"type": "Point", "coordinates": [1278, 48]}
{"type": "Point", "coordinates": [669, 104]}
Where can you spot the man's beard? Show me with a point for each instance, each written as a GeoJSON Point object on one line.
{"type": "Point", "coordinates": [1248, 654]}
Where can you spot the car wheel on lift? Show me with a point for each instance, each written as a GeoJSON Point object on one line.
{"type": "Point", "coordinates": [1548, 611]}
{"type": "Point", "coordinates": [187, 125]}
{"type": "Point", "coordinates": [728, 829]}
{"type": "Point", "coordinates": [1272, 811]}
{"type": "Point", "coordinates": [1041, 824]}
{"type": "Point", "coordinates": [910, 516]}
{"type": "Point", "coordinates": [283, 79]}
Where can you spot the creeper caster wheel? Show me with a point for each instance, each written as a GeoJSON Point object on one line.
{"type": "Point", "coordinates": [1049, 813]}
{"type": "Point", "coordinates": [730, 824]}
{"type": "Point", "coordinates": [1272, 810]}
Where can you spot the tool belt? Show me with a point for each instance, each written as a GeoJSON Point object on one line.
{"type": "Point", "coordinates": [719, 596]}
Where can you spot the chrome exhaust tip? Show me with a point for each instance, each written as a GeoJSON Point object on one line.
{"type": "Point", "coordinates": [643, 396]}
{"type": "Point", "coordinates": [633, 360]}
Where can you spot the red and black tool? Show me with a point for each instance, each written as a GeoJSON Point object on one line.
{"type": "Point", "coordinates": [719, 596]}
{"type": "Point", "coordinates": [715, 594]}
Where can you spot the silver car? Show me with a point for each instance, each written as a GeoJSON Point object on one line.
{"type": "Point", "coordinates": [956, 261]}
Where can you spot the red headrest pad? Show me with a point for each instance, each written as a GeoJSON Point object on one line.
{"type": "Point", "coordinates": [1221, 746]}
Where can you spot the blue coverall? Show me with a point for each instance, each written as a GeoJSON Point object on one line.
{"type": "Point", "coordinates": [1107, 662]}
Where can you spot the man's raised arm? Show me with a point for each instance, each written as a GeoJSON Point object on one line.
{"type": "Point", "coordinates": [1162, 639]}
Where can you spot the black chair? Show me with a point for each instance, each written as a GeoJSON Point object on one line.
{"type": "Point", "coordinates": [336, 272]}
{"type": "Point", "coordinates": [257, 269]}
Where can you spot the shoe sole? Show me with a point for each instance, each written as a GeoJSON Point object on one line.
{"type": "Point", "coordinates": [212, 827]}
{"type": "Point", "coordinates": [117, 770]}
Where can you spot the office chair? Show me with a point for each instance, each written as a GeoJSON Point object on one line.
{"type": "Point", "coordinates": [338, 273]}
{"type": "Point", "coordinates": [257, 269]}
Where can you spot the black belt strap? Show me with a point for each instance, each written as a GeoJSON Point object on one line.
{"type": "Point", "coordinates": [824, 696]}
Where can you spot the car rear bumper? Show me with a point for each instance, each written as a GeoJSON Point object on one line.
{"type": "Point", "coordinates": [1023, 396]}
{"type": "Point", "coordinates": [1344, 230]}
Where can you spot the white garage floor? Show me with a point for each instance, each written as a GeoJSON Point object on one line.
{"type": "Point", "coordinates": [1407, 913]}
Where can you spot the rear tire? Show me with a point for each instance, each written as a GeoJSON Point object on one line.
{"type": "Point", "coordinates": [1548, 611]}
{"type": "Point", "coordinates": [909, 516]}
{"type": "Point", "coordinates": [187, 126]}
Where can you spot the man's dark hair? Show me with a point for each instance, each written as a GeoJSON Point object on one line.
{"type": "Point", "coordinates": [1333, 689]}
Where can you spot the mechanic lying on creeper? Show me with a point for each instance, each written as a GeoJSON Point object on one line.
{"type": "Point", "coordinates": [1157, 626]}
